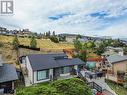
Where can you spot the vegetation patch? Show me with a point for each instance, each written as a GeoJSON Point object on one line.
{"type": "Point", "coordinates": [72, 86]}
{"type": "Point", "coordinates": [120, 90]}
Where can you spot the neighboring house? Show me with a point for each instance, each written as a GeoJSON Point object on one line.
{"type": "Point", "coordinates": [3, 30]}
{"type": "Point", "coordinates": [8, 76]}
{"type": "Point", "coordinates": [46, 67]}
{"type": "Point", "coordinates": [113, 51]}
{"type": "Point", "coordinates": [117, 63]}
{"type": "Point", "coordinates": [69, 37]}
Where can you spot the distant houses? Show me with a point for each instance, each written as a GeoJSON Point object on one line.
{"type": "Point", "coordinates": [22, 32]}
{"type": "Point", "coordinates": [47, 67]}
{"type": "Point", "coordinates": [71, 37]}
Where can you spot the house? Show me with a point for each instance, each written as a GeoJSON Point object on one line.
{"type": "Point", "coordinates": [69, 37]}
{"type": "Point", "coordinates": [8, 76]}
{"type": "Point", "coordinates": [3, 30]}
{"type": "Point", "coordinates": [117, 63]}
{"type": "Point", "coordinates": [46, 67]}
{"type": "Point", "coordinates": [113, 51]}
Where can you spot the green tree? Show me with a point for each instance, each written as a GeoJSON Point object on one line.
{"type": "Point", "coordinates": [90, 45]}
{"type": "Point", "coordinates": [100, 49]}
{"type": "Point", "coordinates": [33, 42]}
{"type": "Point", "coordinates": [77, 45]}
{"type": "Point", "coordinates": [53, 33]}
{"type": "Point", "coordinates": [73, 86]}
{"type": "Point", "coordinates": [78, 36]}
{"type": "Point", "coordinates": [16, 44]}
{"type": "Point", "coordinates": [54, 39]}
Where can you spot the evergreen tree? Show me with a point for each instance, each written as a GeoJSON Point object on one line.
{"type": "Point", "coordinates": [15, 43]}
{"type": "Point", "coordinates": [33, 42]}
{"type": "Point", "coordinates": [77, 45]}
{"type": "Point", "coordinates": [53, 33]}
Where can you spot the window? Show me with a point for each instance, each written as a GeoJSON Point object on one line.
{"type": "Point", "coordinates": [41, 75]}
{"type": "Point", "coordinates": [65, 70]}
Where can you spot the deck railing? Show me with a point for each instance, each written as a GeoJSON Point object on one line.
{"type": "Point", "coordinates": [93, 85]}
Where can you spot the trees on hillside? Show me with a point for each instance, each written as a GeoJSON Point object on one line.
{"type": "Point", "coordinates": [16, 44]}
{"type": "Point", "coordinates": [100, 49]}
{"type": "Point", "coordinates": [77, 45]}
{"type": "Point", "coordinates": [81, 49]}
{"type": "Point", "coordinates": [33, 42]}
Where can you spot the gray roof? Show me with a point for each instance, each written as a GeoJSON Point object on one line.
{"type": "Point", "coordinates": [116, 58]}
{"type": "Point", "coordinates": [47, 61]}
{"type": "Point", "coordinates": [7, 73]}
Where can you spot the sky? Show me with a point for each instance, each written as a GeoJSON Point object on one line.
{"type": "Point", "coordinates": [86, 17]}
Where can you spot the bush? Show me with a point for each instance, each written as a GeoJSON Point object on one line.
{"type": "Point", "coordinates": [1, 44]}
{"type": "Point", "coordinates": [54, 39]}
{"type": "Point", "coordinates": [72, 86]}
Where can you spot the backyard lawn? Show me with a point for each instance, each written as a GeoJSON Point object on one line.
{"type": "Point", "coordinates": [117, 88]}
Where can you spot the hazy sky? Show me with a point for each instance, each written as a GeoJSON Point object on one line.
{"type": "Point", "coordinates": [87, 17]}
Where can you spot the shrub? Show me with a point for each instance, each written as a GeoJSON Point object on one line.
{"type": "Point", "coordinates": [54, 39]}
{"type": "Point", "coordinates": [72, 86]}
{"type": "Point", "coordinates": [1, 44]}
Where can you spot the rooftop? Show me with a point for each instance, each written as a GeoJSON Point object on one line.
{"type": "Point", "coordinates": [116, 58]}
{"type": "Point", "coordinates": [47, 61]}
{"type": "Point", "coordinates": [7, 73]}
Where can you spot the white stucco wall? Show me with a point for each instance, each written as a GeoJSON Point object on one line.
{"type": "Point", "coordinates": [35, 76]}
{"type": "Point", "coordinates": [29, 69]}
{"type": "Point", "coordinates": [76, 68]}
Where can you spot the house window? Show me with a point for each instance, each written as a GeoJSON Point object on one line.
{"type": "Point", "coordinates": [41, 75]}
{"type": "Point", "coordinates": [65, 70]}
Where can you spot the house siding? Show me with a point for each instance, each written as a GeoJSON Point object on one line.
{"type": "Point", "coordinates": [29, 69]}
{"type": "Point", "coordinates": [120, 66]}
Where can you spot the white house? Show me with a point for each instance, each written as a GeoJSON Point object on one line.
{"type": "Point", "coordinates": [46, 67]}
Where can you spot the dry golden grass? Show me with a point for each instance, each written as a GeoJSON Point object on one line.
{"type": "Point", "coordinates": [10, 55]}
{"type": "Point", "coordinates": [41, 43]}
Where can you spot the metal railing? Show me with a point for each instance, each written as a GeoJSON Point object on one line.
{"type": "Point", "coordinates": [93, 85]}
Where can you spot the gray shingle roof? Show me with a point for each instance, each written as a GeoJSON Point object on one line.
{"type": "Point", "coordinates": [116, 58]}
{"type": "Point", "coordinates": [7, 73]}
{"type": "Point", "coordinates": [47, 61]}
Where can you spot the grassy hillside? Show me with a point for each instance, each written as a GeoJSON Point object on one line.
{"type": "Point", "coordinates": [41, 43]}
{"type": "Point", "coordinates": [9, 55]}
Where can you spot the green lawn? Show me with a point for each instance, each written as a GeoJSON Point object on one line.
{"type": "Point", "coordinates": [120, 90]}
